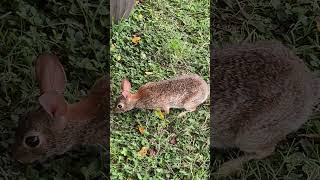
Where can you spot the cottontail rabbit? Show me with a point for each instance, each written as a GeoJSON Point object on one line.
{"type": "Point", "coordinates": [185, 91]}
{"type": "Point", "coordinates": [260, 93]}
{"type": "Point", "coordinates": [58, 126]}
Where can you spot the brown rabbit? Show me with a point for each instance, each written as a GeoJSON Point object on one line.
{"type": "Point", "coordinates": [260, 93]}
{"type": "Point", "coordinates": [185, 91]}
{"type": "Point", "coordinates": [57, 126]}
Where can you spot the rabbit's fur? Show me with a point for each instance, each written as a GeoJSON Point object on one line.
{"type": "Point", "coordinates": [260, 93]}
{"type": "Point", "coordinates": [60, 126]}
{"type": "Point", "coordinates": [184, 91]}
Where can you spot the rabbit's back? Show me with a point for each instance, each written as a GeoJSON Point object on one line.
{"type": "Point", "coordinates": [261, 92]}
{"type": "Point", "coordinates": [174, 92]}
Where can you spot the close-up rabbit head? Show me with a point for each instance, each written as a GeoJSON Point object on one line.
{"type": "Point", "coordinates": [126, 101]}
{"type": "Point", "coordinates": [184, 91]}
{"type": "Point", "coordinates": [57, 126]}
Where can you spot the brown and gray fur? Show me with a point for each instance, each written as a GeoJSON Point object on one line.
{"type": "Point", "coordinates": [260, 93]}
{"type": "Point", "coordinates": [82, 123]}
{"type": "Point", "coordinates": [185, 91]}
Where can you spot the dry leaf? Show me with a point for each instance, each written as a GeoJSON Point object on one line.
{"type": "Point", "coordinates": [118, 57]}
{"type": "Point", "coordinates": [143, 151]}
{"type": "Point", "coordinates": [318, 22]}
{"type": "Point", "coordinates": [140, 16]}
{"type": "Point", "coordinates": [143, 55]}
{"type": "Point", "coordinates": [160, 114]}
{"type": "Point", "coordinates": [148, 73]}
{"type": "Point", "coordinates": [173, 140]}
{"type": "Point", "coordinates": [136, 39]}
{"type": "Point", "coordinates": [152, 151]}
{"type": "Point", "coordinates": [141, 129]}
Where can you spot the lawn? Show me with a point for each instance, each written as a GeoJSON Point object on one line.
{"type": "Point", "coordinates": [174, 39]}
{"type": "Point", "coordinates": [75, 30]}
{"type": "Point", "coordinates": [294, 24]}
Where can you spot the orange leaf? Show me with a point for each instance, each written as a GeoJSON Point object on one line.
{"type": "Point", "coordinates": [143, 151]}
{"type": "Point", "coordinates": [141, 129]}
{"type": "Point", "coordinates": [136, 39]}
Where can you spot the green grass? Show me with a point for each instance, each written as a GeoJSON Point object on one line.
{"type": "Point", "coordinates": [293, 23]}
{"type": "Point", "coordinates": [74, 29]}
{"type": "Point", "coordinates": [174, 40]}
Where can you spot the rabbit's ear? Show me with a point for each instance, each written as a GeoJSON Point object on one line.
{"type": "Point", "coordinates": [50, 74]}
{"type": "Point", "coordinates": [125, 87]}
{"type": "Point", "coordinates": [94, 105]}
{"type": "Point", "coordinates": [56, 106]}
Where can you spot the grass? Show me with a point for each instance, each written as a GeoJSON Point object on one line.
{"type": "Point", "coordinates": [293, 23]}
{"type": "Point", "coordinates": [73, 29]}
{"type": "Point", "coordinates": [174, 40]}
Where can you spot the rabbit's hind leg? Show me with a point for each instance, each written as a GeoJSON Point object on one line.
{"type": "Point", "coordinates": [188, 109]}
{"type": "Point", "coordinates": [230, 167]}
{"type": "Point", "coordinates": [166, 109]}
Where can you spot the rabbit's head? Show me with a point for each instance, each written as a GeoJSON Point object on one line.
{"type": "Point", "coordinates": [58, 126]}
{"type": "Point", "coordinates": [126, 101]}
{"type": "Point", "coordinates": [36, 133]}
{"type": "Point", "coordinates": [36, 137]}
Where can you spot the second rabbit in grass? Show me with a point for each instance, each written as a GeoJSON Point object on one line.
{"type": "Point", "coordinates": [185, 91]}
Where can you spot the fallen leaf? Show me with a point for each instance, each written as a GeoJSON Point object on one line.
{"type": "Point", "coordinates": [173, 140]}
{"type": "Point", "coordinates": [143, 55]}
{"type": "Point", "coordinates": [160, 114]}
{"type": "Point", "coordinates": [148, 73]}
{"type": "Point", "coordinates": [143, 151]}
{"type": "Point", "coordinates": [113, 47]}
{"type": "Point", "coordinates": [152, 151]}
{"type": "Point", "coordinates": [318, 22]}
{"type": "Point", "coordinates": [118, 57]}
{"type": "Point", "coordinates": [136, 39]}
{"type": "Point", "coordinates": [140, 17]}
{"type": "Point", "coordinates": [141, 129]}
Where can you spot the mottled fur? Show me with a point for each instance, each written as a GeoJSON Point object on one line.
{"type": "Point", "coordinates": [185, 91]}
{"type": "Point", "coordinates": [260, 93]}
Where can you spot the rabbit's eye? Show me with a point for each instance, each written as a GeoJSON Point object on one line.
{"type": "Point", "coordinates": [119, 106]}
{"type": "Point", "coordinates": [32, 141]}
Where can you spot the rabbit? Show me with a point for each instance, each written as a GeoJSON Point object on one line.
{"type": "Point", "coordinates": [184, 91]}
{"type": "Point", "coordinates": [56, 127]}
{"type": "Point", "coordinates": [261, 92]}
